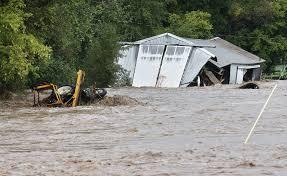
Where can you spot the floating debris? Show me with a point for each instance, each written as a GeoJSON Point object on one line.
{"type": "Point", "coordinates": [118, 100]}
{"type": "Point", "coordinates": [250, 85]}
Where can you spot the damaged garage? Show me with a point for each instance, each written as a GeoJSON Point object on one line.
{"type": "Point", "coordinates": [167, 60]}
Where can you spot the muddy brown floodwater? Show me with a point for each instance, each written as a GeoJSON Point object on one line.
{"type": "Point", "coordinates": [186, 131]}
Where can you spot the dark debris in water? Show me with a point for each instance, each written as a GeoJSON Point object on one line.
{"type": "Point", "coordinates": [247, 164]}
{"type": "Point", "coordinates": [249, 85]}
{"type": "Point", "coordinates": [118, 100]}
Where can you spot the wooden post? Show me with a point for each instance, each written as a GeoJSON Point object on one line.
{"type": "Point", "coordinates": [80, 79]}
{"type": "Point", "coordinates": [34, 92]}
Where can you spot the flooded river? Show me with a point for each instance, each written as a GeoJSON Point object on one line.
{"type": "Point", "coordinates": [172, 132]}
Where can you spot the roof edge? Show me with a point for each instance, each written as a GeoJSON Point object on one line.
{"type": "Point", "coordinates": [260, 60]}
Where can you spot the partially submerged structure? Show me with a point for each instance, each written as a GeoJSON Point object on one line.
{"type": "Point", "coordinates": [167, 60]}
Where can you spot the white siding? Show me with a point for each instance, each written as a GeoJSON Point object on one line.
{"type": "Point", "coordinates": [233, 73]}
{"type": "Point", "coordinates": [239, 76]}
{"type": "Point", "coordinates": [237, 72]}
{"type": "Point", "coordinates": [173, 65]}
{"type": "Point", "coordinates": [127, 59]}
{"type": "Point", "coordinates": [147, 66]}
{"type": "Point", "coordinates": [198, 59]}
{"type": "Point", "coordinates": [164, 39]}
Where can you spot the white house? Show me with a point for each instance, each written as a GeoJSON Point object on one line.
{"type": "Point", "coordinates": [167, 60]}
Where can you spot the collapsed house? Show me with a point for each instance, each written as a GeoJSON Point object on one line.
{"type": "Point", "coordinates": [167, 60]}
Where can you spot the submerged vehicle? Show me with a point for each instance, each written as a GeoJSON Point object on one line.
{"type": "Point", "coordinates": [67, 95]}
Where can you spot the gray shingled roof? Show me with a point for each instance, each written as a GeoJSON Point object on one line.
{"type": "Point", "coordinates": [225, 52]}
{"type": "Point", "coordinates": [228, 53]}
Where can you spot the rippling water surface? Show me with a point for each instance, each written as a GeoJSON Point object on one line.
{"type": "Point", "coordinates": [189, 131]}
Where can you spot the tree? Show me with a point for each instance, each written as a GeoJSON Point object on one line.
{"type": "Point", "coordinates": [82, 33]}
{"type": "Point", "coordinates": [20, 52]}
{"type": "Point", "coordinates": [218, 9]}
{"type": "Point", "coordinates": [66, 26]}
{"type": "Point", "coordinates": [260, 27]}
{"type": "Point", "coordinates": [195, 24]}
{"type": "Point", "coordinates": [102, 50]}
{"type": "Point", "coordinates": [141, 18]}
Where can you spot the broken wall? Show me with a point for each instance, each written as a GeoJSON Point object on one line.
{"type": "Point", "coordinates": [197, 60]}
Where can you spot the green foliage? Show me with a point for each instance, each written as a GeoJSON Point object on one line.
{"type": "Point", "coordinates": [62, 23]}
{"type": "Point", "coordinates": [20, 52]}
{"type": "Point", "coordinates": [260, 28]}
{"type": "Point", "coordinates": [65, 26]}
{"type": "Point", "coordinates": [218, 9]}
{"type": "Point", "coordinates": [194, 24]}
{"type": "Point", "coordinates": [123, 78]}
{"type": "Point", "coordinates": [100, 65]}
{"type": "Point", "coordinates": [141, 18]}
{"type": "Point", "coordinates": [56, 71]}
{"type": "Point", "coordinates": [50, 40]}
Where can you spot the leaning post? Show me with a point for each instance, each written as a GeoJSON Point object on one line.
{"type": "Point", "coordinates": [80, 80]}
